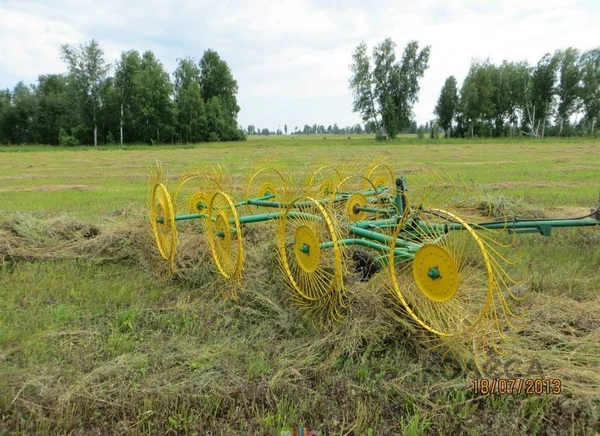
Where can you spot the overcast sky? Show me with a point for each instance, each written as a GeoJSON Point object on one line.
{"type": "Point", "coordinates": [291, 58]}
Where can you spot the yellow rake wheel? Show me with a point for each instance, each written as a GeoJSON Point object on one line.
{"type": "Point", "coordinates": [264, 182]}
{"type": "Point", "coordinates": [199, 202]}
{"type": "Point", "coordinates": [381, 176]}
{"type": "Point", "coordinates": [313, 272]}
{"type": "Point", "coordinates": [162, 219]}
{"type": "Point", "coordinates": [448, 287]}
{"type": "Point", "coordinates": [354, 202]}
{"type": "Point", "coordinates": [225, 236]}
{"type": "Point", "coordinates": [353, 193]}
{"type": "Point", "coordinates": [185, 186]}
{"type": "Point", "coordinates": [323, 181]}
{"type": "Point", "coordinates": [195, 189]}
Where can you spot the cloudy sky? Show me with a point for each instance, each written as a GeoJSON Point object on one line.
{"type": "Point", "coordinates": [291, 57]}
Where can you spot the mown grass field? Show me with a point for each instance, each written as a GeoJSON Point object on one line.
{"type": "Point", "coordinates": [94, 339]}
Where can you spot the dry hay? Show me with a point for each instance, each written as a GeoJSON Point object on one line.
{"type": "Point", "coordinates": [26, 238]}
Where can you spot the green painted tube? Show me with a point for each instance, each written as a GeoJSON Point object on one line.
{"type": "Point", "coordinates": [528, 224]}
{"type": "Point", "coordinates": [361, 242]}
{"type": "Point", "coordinates": [246, 219]}
{"type": "Point", "coordinates": [376, 223]}
{"type": "Point", "coordinates": [400, 198]}
{"type": "Point", "coordinates": [285, 205]}
{"type": "Point", "coordinates": [369, 234]}
{"type": "Point", "coordinates": [264, 203]}
{"type": "Point", "coordinates": [264, 198]}
{"type": "Point", "coordinates": [375, 210]}
{"type": "Point", "coordinates": [279, 204]}
{"type": "Point", "coordinates": [400, 251]}
{"type": "Point", "coordinates": [190, 216]}
{"type": "Point", "coordinates": [184, 217]}
{"type": "Point", "coordinates": [275, 215]}
{"type": "Point", "coordinates": [399, 242]}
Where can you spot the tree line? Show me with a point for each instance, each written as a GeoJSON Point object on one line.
{"type": "Point", "coordinates": [559, 96]}
{"type": "Point", "coordinates": [138, 103]}
{"type": "Point", "coordinates": [314, 129]}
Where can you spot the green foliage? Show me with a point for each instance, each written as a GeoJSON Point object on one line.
{"type": "Point", "coordinates": [66, 140]}
{"type": "Point", "coordinates": [216, 80]}
{"type": "Point", "coordinates": [514, 97]}
{"type": "Point", "coordinates": [434, 132]}
{"type": "Point", "coordinates": [540, 96]}
{"type": "Point", "coordinates": [192, 119]}
{"type": "Point", "coordinates": [447, 104]}
{"type": "Point", "coordinates": [126, 82]}
{"type": "Point", "coordinates": [52, 107]}
{"type": "Point", "coordinates": [590, 88]}
{"type": "Point", "coordinates": [384, 89]}
{"type": "Point", "coordinates": [156, 116]}
{"type": "Point", "coordinates": [476, 95]}
{"type": "Point", "coordinates": [568, 91]}
{"type": "Point", "coordinates": [87, 72]}
{"type": "Point", "coordinates": [138, 104]}
{"type": "Point", "coordinates": [110, 139]}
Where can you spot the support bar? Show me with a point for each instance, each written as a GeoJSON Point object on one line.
{"type": "Point", "coordinates": [533, 226]}
{"type": "Point", "coordinates": [258, 218]}
{"type": "Point", "coordinates": [384, 239]}
{"type": "Point", "coordinates": [374, 210]}
{"type": "Point", "coordinates": [190, 216]}
{"type": "Point", "coordinates": [401, 252]}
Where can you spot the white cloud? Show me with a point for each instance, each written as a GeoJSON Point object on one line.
{"type": "Point", "coordinates": [291, 57]}
{"type": "Point", "coordinates": [29, 45]}
{"type": "Point", "coordinates": [284, 18]}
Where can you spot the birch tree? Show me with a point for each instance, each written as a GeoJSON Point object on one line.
{"type": "Point", "coordinates": [88, 71]}
{"type": "Point", "coordinates": [385, 89]}
{"type": "Point", "coordinates": [590, 87]}
{"type": "Point", "coordinates": [126, 78]}
{"type": "Point", "coordinates": [447, 105]}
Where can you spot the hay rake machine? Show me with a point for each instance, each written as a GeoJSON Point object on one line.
{"type": "Point", "coordinates": [448, 272]}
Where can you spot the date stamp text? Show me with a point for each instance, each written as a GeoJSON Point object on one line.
{"type": "Point", "coordinates": [528, 386]}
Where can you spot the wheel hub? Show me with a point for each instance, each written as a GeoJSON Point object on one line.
{"type": "Point", "coordinates": [353, 205]}
{"type": "Point", "coordinates": [198, 202]}
{"type": "Point", "coordinates": [435, 273]}
{"type": "Point", "coordinates": [267, 189]}
{"type": "Point", "coordinates": [306, 248]}
{"type": "Point", "coordinates": [326, 188]}
{"type": "Point", "coordinates": [223, 232]}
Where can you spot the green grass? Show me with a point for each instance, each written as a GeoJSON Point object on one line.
{"type": "Point", "coordinates": [94, 339]}
{"type": "Point", "coordinates": [93, 183]}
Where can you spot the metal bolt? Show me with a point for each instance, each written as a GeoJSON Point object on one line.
{"type": "Point", "coordinates": [434, 273]}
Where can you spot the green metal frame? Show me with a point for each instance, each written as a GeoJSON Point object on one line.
{"type": "Point", "coordinates": [365, 232]}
